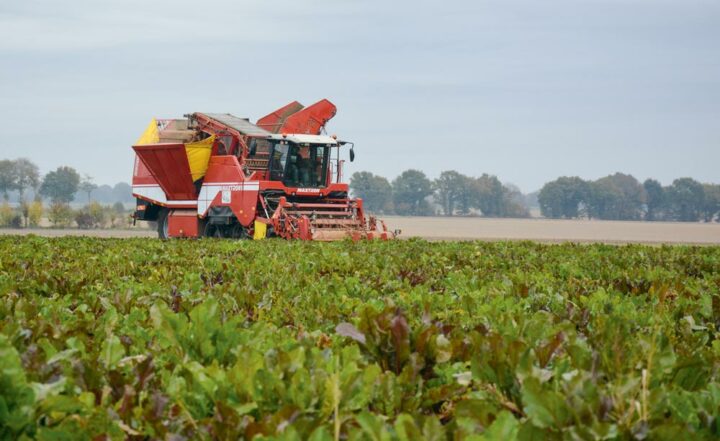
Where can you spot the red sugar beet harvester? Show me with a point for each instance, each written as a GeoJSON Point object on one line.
{"type": "Point", "coordinates": [217, 175]}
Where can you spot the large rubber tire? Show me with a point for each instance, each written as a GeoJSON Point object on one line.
{"type": "Point", "coordinates": [162, 223]}
{"type": "Point", "coordinates": [237, 231]}
{"type": "Point", "coordinates": [213, 231]}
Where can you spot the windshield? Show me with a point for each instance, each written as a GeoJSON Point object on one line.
{"type": "Point", "coordinates": [300, 165]}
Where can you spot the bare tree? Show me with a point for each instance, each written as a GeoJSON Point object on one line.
{"type": "Point", "coordinates": [88, 186]}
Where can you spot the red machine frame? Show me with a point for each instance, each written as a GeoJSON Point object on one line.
{"type": "Point", "coordinates": [236, 193]}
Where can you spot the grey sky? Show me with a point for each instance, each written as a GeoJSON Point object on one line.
{"type": "Point", "coordinates": [525, 89]}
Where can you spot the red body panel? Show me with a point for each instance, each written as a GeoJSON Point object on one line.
{"type": "Point", "coordinates": [243, 203]}
{"type": "Point", "coordinates": [141, 174]}
{"type": "Point", "coordinates": [274, 121]}
{"type": "Point", "coordinates": [311, 119]}
{"type": "Point", "coordinates": [297, 191]}
{"type": "Point", "coordinates": [183, 223]}
{"type": "Point", "coordinates": [225, 185]}
{"type": "Point", "coordinates": [224, 169]}
{"type": "Point", "coordinates": [169, 166]}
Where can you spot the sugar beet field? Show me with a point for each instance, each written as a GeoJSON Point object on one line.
{"type": "Point", "coordinates": [405, 340]}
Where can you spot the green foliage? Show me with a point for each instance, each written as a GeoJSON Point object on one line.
{"type": "Point", "coordinates": [622, 197]}
{"type": "Point", "coordinates": [8, 177]}
{"type": "Point", "coordinates": [10, 217]}
{"type": "Point", "coordinates": [655, 199]}
{"type": "Point", "coordinates": [515, 203]}
{"type": "Point", "coordinates": [686, 199]}
{"type": "Point", "coordinates": [375, 191]}
{"type": "Point", "coordinates": [28, 175]}
{"type": "Point", "coordinates": [410, 191]}
{"type": "Point", "coordinates": [711, 203]}
{"type": "Point", "coordinates": [60, 215]}
{"type": "Point", "coordinates": [402, 340]}
{"type": "Point", "coordinates": [6, 215]}
{"type": "Point", "coordinates": [490, 196]}
{"type": "Point", "coordinates": [16, 396]}
{"type": "Point", "coordinates": [93, 215]}
{"type": "Point", "coordinates": [453, 191]}
{"type": "Point", "coordinates": [616, 197]}
{"type": "Point", "coordinates": [562, 197]}
{"type": "Point", "coordinates": [35, 213]}
{"type": "Point", "coordinates": [60, 185]}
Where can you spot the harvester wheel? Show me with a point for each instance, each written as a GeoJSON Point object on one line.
{"type": "Point", "coordinates": [162, 223]}
{"type": "Point", "coordinates": [212, 230]}
{"type": "Point", "coordinates": [237, 231]}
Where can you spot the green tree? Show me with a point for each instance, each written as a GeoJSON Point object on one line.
{"type": "Point", "coordinates": [711, 203]}
{"type": "Point", "coordinates": [616, 197]}
{"type": "Point", "coordinates": [515, 202]}
{"type": "Point", "coordinates": [654, 200]}
{"type": "Point", "coordinates": [60, 185]}
{"type": "Point", "coordinates": [409, 192]}
{"type": "Point", "coordinates": [375, 191]}
{"type": "Point", "coordinates": [28, 176]}
{"type": "Point", "coordinates": [8, 178]}
{"type": "Point", "coordinates": [490, 196]}
{"type": "Point", "coordinates": [562, 198]}
{"type": "Point", "coordinates": [686, 197]}
{"type": "Point", "coordinates": [601, 197]}
{"type": "Point", "coordinates": [466, 197]}
{"type": "Point", "coordinates": [452, 191]}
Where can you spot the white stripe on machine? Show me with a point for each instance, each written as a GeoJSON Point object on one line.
{"type": "Point", "coordinates": [156, 194]}
{"type": "Point", "coordinates": [209, 191]}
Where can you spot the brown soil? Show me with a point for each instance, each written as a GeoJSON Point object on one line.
{"type": "Point", "coordinates": [544, 230]}
{"type": "Point", "coordinates": [547, 230]}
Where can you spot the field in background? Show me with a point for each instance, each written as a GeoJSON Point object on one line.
{"type": "Point", "coordinates": [457, 228]}
{"type": "Point", "coordinates": [551, 230]}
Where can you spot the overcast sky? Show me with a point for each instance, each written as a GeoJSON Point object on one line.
{"type": "Point", "coordinates": [527, 90]}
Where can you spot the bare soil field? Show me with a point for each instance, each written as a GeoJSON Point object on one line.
{"type": "Point", "coordinates": [544, 230]}
{"type": "Point", "coordinates": [550, 230]}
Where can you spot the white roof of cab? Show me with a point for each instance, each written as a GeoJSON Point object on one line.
{"type": "Point", "coordinates": [306, 139]}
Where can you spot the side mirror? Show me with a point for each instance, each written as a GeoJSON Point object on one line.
{"type": "Point", "coordinates": [253, 147]}
{"type": "Point", "coordinates": [352, 154]}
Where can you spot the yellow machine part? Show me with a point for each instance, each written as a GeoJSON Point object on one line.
{"type": "Point", "coordinates": [260, 231]}
{"type": "Point", "coordinates": [198, 155]}
{"type": "Point", "coordinates": [151, 135]}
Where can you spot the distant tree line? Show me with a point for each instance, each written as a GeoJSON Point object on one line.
{"type": "Point", "coordinates": [614, 197]}
{"type": "Point", "coordinates": [622, 197]}
{"type": "Point", "coordinates": [20, 180]}
{"type": "Point", "coordinates": [452, 193]}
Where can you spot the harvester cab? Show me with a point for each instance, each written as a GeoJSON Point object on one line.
{"type": "Point", "coordinates": [301, 160]}
{"type": "Point", "coordinates": [222, 176]}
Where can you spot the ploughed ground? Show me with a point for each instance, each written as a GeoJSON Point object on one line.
{"type": "Point", "coordinates": [474, 228]}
